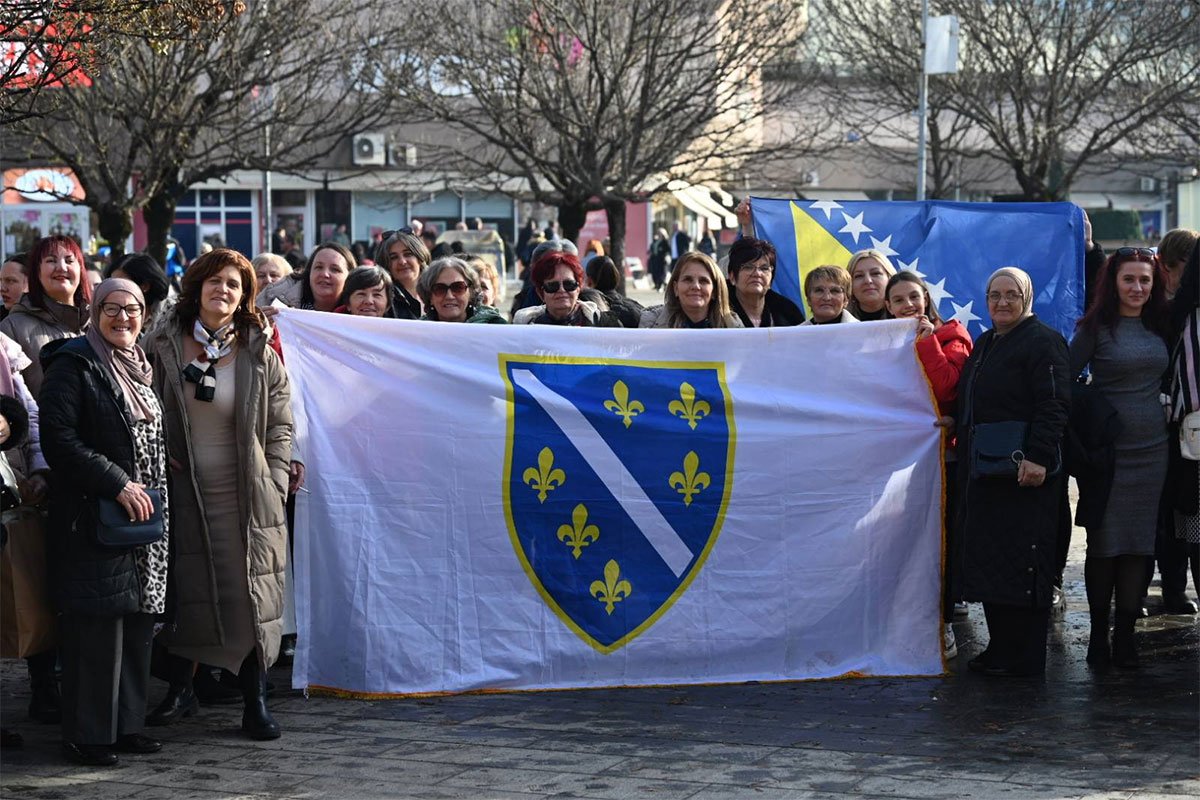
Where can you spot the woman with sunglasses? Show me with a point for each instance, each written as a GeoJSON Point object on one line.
{"type": "Point", "coordinates": [449, 288]}
{"type": "Point", "coordinates": [558, 279]}
{"type": "Point", "coordinates": [1123, 340]}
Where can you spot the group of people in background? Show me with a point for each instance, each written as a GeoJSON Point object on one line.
{"type": "Point", "coordinates": [177, 408]}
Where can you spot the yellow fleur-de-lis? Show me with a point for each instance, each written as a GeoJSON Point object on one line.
{"type": "Point", "coordinates": [690, 481]}
{"type": "Point", "coordinates": [578, 534]}
{"type": "Point", "coordinates": [544, 477]}
{"type": "Point", "coordinates": [621, 404]}
{"type": "Point", "coordinates": [611, 590]}
{"type": "Point", "coordinates": [687, 407]}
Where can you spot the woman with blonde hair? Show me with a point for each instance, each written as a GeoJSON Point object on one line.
{"type": "Point", "coordinates": [869, 271]}
{"type": "Point", "coordinates": [697, 297]}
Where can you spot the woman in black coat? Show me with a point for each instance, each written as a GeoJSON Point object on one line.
{"type": "Point", "coordinates": [1018, 372]}
{"type": "Point", "coordinates": [102, 435]}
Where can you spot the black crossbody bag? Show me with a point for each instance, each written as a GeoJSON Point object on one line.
{"type": "Point", "coordinates": [114, 530]}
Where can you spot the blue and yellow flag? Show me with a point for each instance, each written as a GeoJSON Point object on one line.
{"type": "Point", "coordinates": [954, 246]}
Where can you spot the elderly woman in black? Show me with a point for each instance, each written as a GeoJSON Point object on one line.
{"type": "Point", "coordinates": [102, 434]}
{"type": "Point", "coordinates": [751, 271]}
{"type": "Point", "coordinates": [1014, 396]}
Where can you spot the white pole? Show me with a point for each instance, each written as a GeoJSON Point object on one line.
{"type": "Point", "coordinates": [922, 105]}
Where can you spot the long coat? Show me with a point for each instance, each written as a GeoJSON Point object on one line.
{"type": "Point", "coordinates": [1008, 531]}
{"type": "Point", "coordinates": [33, 328]}
{"type": "Point", "coordinates": [263, 426]}
{"type": "Point", "coordinates": [87, 438]}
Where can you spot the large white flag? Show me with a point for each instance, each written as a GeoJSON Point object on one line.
{"type": "Point", "coordinates": [543, 507]}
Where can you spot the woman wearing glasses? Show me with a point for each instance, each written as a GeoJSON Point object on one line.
{"type": "Point", "coordinates": [558, 278]}
{"type": "Point", "coordinates": [1123, 340]}
{"type": "Point", "coordinates": [227, 404]}
{"type": "Point", "coordinates": [102, 434]}
{"type": "Point", "coordinates": [1013, 400]}
{"type": "Point", "coordinates": [697, 296]}
{"type": "Point", "coordinates": [751, 270]}
{"type": "Point", "coordinates": [449, 288]}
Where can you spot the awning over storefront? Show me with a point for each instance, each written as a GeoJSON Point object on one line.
{"type": "Point", "coordinates": [699, 200]}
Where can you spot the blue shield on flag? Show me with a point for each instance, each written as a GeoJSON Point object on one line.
{"type": "Point", "coordinates": [617, 476]}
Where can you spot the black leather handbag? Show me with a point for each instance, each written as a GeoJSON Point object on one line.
{"type": "Point", "coordinates": [114, 530]}
{"type": "Point", "coordinates": [998, 448]}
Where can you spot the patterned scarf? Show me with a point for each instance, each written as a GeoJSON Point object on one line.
{"type": "Point", "coordinates": [203, 371]}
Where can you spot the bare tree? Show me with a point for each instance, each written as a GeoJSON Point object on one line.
{"type": "Point", "coordinates": [45, 44]}
{"type": "Point", "coordinates": [164, 116]}
{"type": "Point", "coordinates": [590, 103]}
{"type": "Point", "coordinates": [1045, 86]}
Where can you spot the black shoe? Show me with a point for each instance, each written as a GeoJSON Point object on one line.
{"type": "Point", "coordinates": [89, 755]}
{"type": "Point", "coordinates": [1178, 604]}
{"type": "Point", "coordinates": [212, 692]}
{"type": "Point", "coordinates": [10, 739]}
{"type": "Point", "coordinates": [1098, 654]}
{"type": "Point", "coordinates": [44, 704]}
{"type": "Point", "coordinates": [1124, 645]}
{"type": "Point", "coordinates": [137, 743]}
{"type": "Point", "coordinates": [179, 702]}
{"type": "Point", "coordinates": [257, 722]}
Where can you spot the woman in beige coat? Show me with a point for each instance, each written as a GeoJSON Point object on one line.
{"type": "Point", "coordinates": [228, 412]}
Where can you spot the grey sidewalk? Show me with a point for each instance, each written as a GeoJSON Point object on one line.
{"type": "Point", "coordinates": [1072, 735]}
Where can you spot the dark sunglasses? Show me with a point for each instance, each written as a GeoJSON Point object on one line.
{"type": "Point", "coordinates": [1145, 252]}
{"type": "Point", "coordinates": [389, 234]}
{"type": "Point", "coordinates": [440, 289]}
{"type": "Point", "coordinates": [552, 287]}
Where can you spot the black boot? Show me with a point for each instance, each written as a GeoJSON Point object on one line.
{"type": "Point", "coordinates": [1124, 646]}
{"type": "Point", "coordinates": [212, 692]}
{"type": "Point", "coordinates": [181, 697]}
{"type": "Point", "coordinates": [257, 722]}
{"type": "Point", "coordinates": [43, 685]}
{"type": "Point", "coordinates": [1099, 655]}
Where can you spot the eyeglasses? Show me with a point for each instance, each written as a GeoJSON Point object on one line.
{"type": "Point", "coordinates": [1145, 252]}
{"type": "Point", "coordinates": [440, 289]}
{"type": "Point", "coordinates": [552, 287]}
{"type": "Point", "coordinates": [1008, 297]}
{"type": "Point", "coordinates": [133, 310]}
{"type": "Point", "coordinates": [763, 268]}
{"type": "Point", "coordinates": [383, 237]}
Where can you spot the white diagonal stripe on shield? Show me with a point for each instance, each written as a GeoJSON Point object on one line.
{"type": "Point", "coordinates": [601, 458]}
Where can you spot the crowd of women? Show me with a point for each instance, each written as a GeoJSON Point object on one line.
{"type": "Point", "coordinates": [156, 430]}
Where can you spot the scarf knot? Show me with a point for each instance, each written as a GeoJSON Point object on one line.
{"type": "Point", "coordinates": [203, 370]}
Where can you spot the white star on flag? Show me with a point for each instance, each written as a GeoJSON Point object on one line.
{"type": "Point", "coordinates": [854, 226]}
{"type": "Point", "coordinates": [963, 313]}
{"type": "Point", "coordinates": [884, 246]}
{"type": "Point", "coordinates": [911, 266]}
{"type": "Point", "coordinates": [938, 293]}
{"type": "Point", "coordinates": [827, 206]}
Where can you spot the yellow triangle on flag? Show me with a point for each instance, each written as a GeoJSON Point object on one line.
{"type": "Point", "coordinates": [814, 246]}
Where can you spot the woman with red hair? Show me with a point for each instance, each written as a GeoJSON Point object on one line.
{"type": "Point", "coordinates": [56, 305]}
{"type": "Point", "coordinates": [558, 278]}
{"type": "Point", "coordinates": [1122, 338]}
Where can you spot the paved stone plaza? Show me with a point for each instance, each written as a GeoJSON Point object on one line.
{"type": "Point", "coordinates": [1071, 735]}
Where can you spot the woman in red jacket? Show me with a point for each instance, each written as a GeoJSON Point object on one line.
{"type": "Point", "coordinates": [943, 348]}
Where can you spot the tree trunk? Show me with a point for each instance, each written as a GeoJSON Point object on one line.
{"type": "Point", "coordinates": [159, 215]}
{"type": "Point", "coordinates": [614, 209]}
{"type": "Point", "coordinates": [115, 224]}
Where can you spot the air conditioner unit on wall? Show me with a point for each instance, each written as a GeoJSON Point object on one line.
{"type": "Point", "coordinates": [368, 149]}
{"type": "Point", "coordinates": [812, 178]}
{"type": "Point", "coordinates": [1148, 184]}
{"type": "Point", "coordinates": [403, 155]}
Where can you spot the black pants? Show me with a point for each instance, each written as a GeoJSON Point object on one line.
{"type": "Point", "coordinates": [1017, 637]}
{"type": "Point", "coordinates": [952, 555]}
{"type": "Point", "coordinates": [106, 673]}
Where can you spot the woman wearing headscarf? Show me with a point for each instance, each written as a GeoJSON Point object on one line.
{"type": "Point", "coordinates": [228, 409]}
{"type": "Point", "coordinates": [1122, 339]}
{"type": "Point", "coordinates": [697, 296]}
{"type": "Point", "coordinates": [102, 434]}
{"type": "Point", "coordinates": [1013, 401]}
